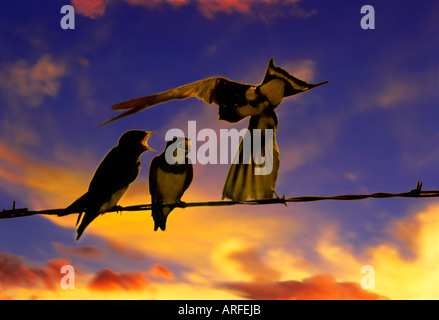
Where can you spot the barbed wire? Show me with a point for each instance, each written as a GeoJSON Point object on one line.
{"type": "Point", "coordinates": [414, 193]}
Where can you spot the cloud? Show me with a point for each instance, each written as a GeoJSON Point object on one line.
{"type": "Point", "coordinates": [414, 275]}
{"type": "Point", "coordinates": [90, 8]}
{"type": "Point", "coordinates": [84, 252]}
{"type": "Point", "coordinates": [319, 287]}
{"type": "Point", "coordinates": [264, 10]}
{"type": "Point", "coordinates": [251, 263]}
{"type": "Point", "coordinates": [42, 180]}
{"type": "Point", "coordinates": [302, 69]}
{"type": "Point", "coordinates": [210, 7]}
{"type": "Point", "coordinates": [109, 280]}
{"type": "Point", "coordinates": [21, 81]}
{"type": "Point", "coordinates": [126, 251]}
{"type": "Point", "coordinates": [396, 92]}
{"type": "Point", "coordinates": [5, 296]}
{"type": "Point", "coordinates": [160, 271]}
{"type": "Point", "coordinates": [154, 3]}
{"type": "Point", "coordinates": [13, 273]}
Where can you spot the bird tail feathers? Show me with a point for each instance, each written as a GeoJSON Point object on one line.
{"type": "Point", "coordinates": [77, 206]}
{"type": "Point", "coordinates": [160, 215]}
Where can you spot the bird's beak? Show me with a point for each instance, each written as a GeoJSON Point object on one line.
{"type": "Point", "coordinates": [186, 145]}
{"type": "Point", "coordinates": [145, 140]}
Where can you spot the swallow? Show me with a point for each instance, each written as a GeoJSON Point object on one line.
{"type": "Point", "coordinates": [235, 100]}
{"type": "Point", "coordinates": [115, 173]}
{"type": "Point", "coordinates": [170, 174]}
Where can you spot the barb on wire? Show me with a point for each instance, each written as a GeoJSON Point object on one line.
{"type": "Point", "coordinates": [414, 193]}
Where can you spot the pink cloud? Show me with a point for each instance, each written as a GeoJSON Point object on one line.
{"type": "Point", "coordinates": [14, 273]}
{"type": "Point", "coordinates": [263, 9]}
{"type": "Point", "coordinates": [33, 83]}
{"type": "Point", "coordinates": [210, 7]}
{"type": "Point", "coordinates": [319, 287]}
{"type": "Point", "coordinates": [153, 3]}
{"type": "Point", "coordinates": [90, 8]}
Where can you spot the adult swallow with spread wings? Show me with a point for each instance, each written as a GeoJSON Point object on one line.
{"type": "Point", "coordinates": [236, 101]}
{"type": "Point", "coordinates": [115, 173]}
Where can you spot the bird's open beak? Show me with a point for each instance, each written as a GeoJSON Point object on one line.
{"type": "Point", "coordinates": [145, 140]}
{"type": "Point", "coordinates": [185, 145]}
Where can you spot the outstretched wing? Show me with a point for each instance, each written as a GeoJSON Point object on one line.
{"type": "Point", "coordinates": [293, 84]}
{"type": "Point", "coordinates": [218, 90]}
{"type": "Point", "coordinates": [249, 176]}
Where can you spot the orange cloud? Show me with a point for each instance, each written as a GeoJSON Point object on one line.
{"type": "Point", "coordinates": [109, 280]}
{"type": "Point", "coordinates": [47, 181]}
{"type": "Point", "coordinates": [5, 296]}
{"type": "Point", "coordinates": [159, 271]}
{"type": "Point", "coordinates": [90, 8]}
{"type": "Point", "coordinates": [32, 83]}
{"type": "Point", "coordinates": [319, 287]}
{"type": "Point", "coordinates": [250, 262]}
{"type": "Point", "coordinates": [13, 273]}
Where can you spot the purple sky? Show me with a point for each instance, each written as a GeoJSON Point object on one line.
{"type": "Point", "coordinates": [373, 128]}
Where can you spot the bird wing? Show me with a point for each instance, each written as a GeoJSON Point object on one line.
{"type": "Point", "coordinates": [153, 177]}
{"type": "Point", "coordinates": [116, 171]}
{"type": "Point", "coordinates": [159, 214]}
{"type": "Point", "coordinates": [218, 90]}
{"type": "Point", "coordinates": [109, 183]}
{"type": "Point", "coordinates": [293, 85]}
{"type": "Point", "coordinates": [242, 182]}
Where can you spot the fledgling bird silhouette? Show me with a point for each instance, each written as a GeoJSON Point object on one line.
{"type": "Point", "coordinates": [237, 101]}
{"type": "Point", "coordinates": [170, 174]}
{"type": "Point", "coordinates": [115, 173]}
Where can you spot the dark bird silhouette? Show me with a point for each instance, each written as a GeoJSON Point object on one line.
{"type": "Point", "coordinates": [115, 173]}
{"type": "Point", "coordinates": [170, 174]}
{"type": "Point", "coordinates": [237, 101]}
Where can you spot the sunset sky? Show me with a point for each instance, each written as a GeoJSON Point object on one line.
{"type": "Point", "coordinates": [373, 128]}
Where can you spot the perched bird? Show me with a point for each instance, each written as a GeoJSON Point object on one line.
{"type": "Point", "coordinates": [235, 102]}
{"type": "Point", "coordinates": [114, 174]}
{"type": "Point", "coordinates": [170, 174]}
